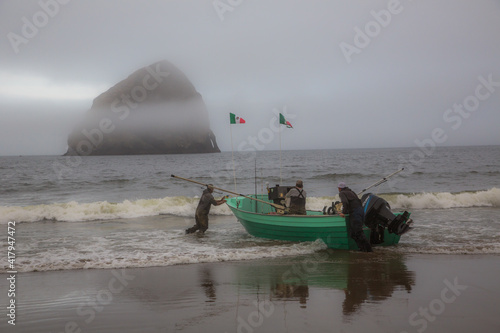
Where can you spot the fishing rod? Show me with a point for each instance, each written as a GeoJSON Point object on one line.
{"type": "Point", "coordinates": [381, 181]}
{"type": "Point", "coordinates": [223, 190]}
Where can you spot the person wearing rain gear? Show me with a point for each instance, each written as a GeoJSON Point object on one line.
{"type": "Point", "coordinates": [351, 205]}
{"type": "Point", "coordinates": [204, 205]}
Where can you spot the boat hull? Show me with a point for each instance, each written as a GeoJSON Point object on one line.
{"type": "Point", "coordinates": [259, 220]}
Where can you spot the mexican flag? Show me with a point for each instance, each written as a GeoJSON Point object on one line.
{"type": "Point", "coordinates": [283, 121]}
{"type": "Point", "coordinates": [233, 119]}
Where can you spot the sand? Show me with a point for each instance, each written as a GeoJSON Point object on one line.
{"type": "Point", "coordinates": [330, 291]}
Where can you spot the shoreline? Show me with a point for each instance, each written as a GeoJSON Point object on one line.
{"type": "Point", "coordinates": [351, 291]}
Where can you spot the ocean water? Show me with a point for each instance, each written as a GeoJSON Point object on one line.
{"type": "Point", "coordinates": [127, 211]}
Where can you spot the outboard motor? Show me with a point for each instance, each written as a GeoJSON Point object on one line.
{"type": "Point", "coordinates": [378, 216]}
{"type": "Point", "coordinates": [277, 193]}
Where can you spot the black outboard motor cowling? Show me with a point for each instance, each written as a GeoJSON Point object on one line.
{"type": "Point", "coordinates": [378, 214]}
{"type": "Point", "coordinates": [277, 193]}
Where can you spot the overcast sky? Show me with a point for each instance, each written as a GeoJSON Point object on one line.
{"type": "Point", "coordinates": [350, 74]}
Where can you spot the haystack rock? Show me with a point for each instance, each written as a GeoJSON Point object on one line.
{"type": "Point", "coordinates": [156, 110]}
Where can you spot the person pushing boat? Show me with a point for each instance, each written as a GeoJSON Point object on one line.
{"type": "Point", "coordinates": [204, 205]}
{"type": "Point", "coordinates": [351, 205]}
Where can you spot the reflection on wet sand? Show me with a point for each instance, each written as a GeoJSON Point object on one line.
{"type": "Point", "coordinates": [207, 283]}
{"type": "Point", "coordinates": [362, 277]}
{"type": "Point", "coordinates": [291, 292]}
{"type": "Point", "coordinates": [375, 281]}
{"type": "Point", "coordinates": [248, 293]}
{"type": "Point", "coordinates": [320, 292]}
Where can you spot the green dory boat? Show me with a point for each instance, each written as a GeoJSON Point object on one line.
{"type": "Point", "coordinates": [382, 227]}
{"type": "Point", "coordinates": [265, 216]}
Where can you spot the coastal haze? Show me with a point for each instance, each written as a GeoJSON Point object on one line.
{"type": "Point", "coordinates": [349, 74]}
{"type": "Point", "coordinates": [371, 88]}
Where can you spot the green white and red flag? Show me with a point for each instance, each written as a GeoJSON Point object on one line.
{"type": "Point", "coordinates": [234, 119]}
{"type": "Point", "coordinates": [283, 121]}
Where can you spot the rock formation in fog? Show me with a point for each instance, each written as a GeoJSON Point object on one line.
{"type": "Point", "coordinates": [156, 110]}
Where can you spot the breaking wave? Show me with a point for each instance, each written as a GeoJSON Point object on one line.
{"type": "Point", "coordinates": [185, 206]}
{"type": "Point", "coordinates": [441, 200]}
{"type": "Point", "coordinates": [489, 198]}
{"type": "Point", "coordinates": [103, 210]}
{"type": "Point", "coordinates": [153, 249]}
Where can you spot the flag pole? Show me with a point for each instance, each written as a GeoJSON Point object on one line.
{"type": "Point", "coordinates": [232, 156]}
{"type": "Point", "coordinates": [281, 179]}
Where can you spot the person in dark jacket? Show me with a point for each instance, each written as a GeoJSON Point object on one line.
{"type": "Point", "coordinates": [201, 215]}
{"type": "Point", "coordinates": [352, 205]}
{"type": "Point", "coordinates": [295, 199]}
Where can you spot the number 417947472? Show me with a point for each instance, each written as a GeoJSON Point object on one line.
{"type": "Point", "coordinates": [11, 241]}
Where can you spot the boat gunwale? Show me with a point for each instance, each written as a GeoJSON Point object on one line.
{"type": "Point", "coordinates": [290, 215]}
{"type": "Point", "coordinates": [323, 221]}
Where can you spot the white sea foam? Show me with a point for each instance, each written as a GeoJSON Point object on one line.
{"type": "Point", "coordinates": [158, 248]}
{"type": "Point", "coordinates": [489, 198]}
{"type": "Point", "coordinates": [185, 206]}
{"type": "Point", "coordinates": [444, 249]}
{"type": "Point", "coordinates": [103, 210]}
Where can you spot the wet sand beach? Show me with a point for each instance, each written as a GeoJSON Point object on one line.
{"type": "Point", "coordinates": [328, 291]}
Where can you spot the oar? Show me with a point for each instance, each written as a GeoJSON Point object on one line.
{"type": "Point", "coordinates": [241, 195]}
{"type": "Point", "coordinates": [381, 181]}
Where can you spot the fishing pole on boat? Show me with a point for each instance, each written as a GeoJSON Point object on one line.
{"type": "Point", "coordinates": [337, 206]}
{"type": "Point", "coordinates": [279, 207]}
{"type": "Point", "coordinates": [381, 181]}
